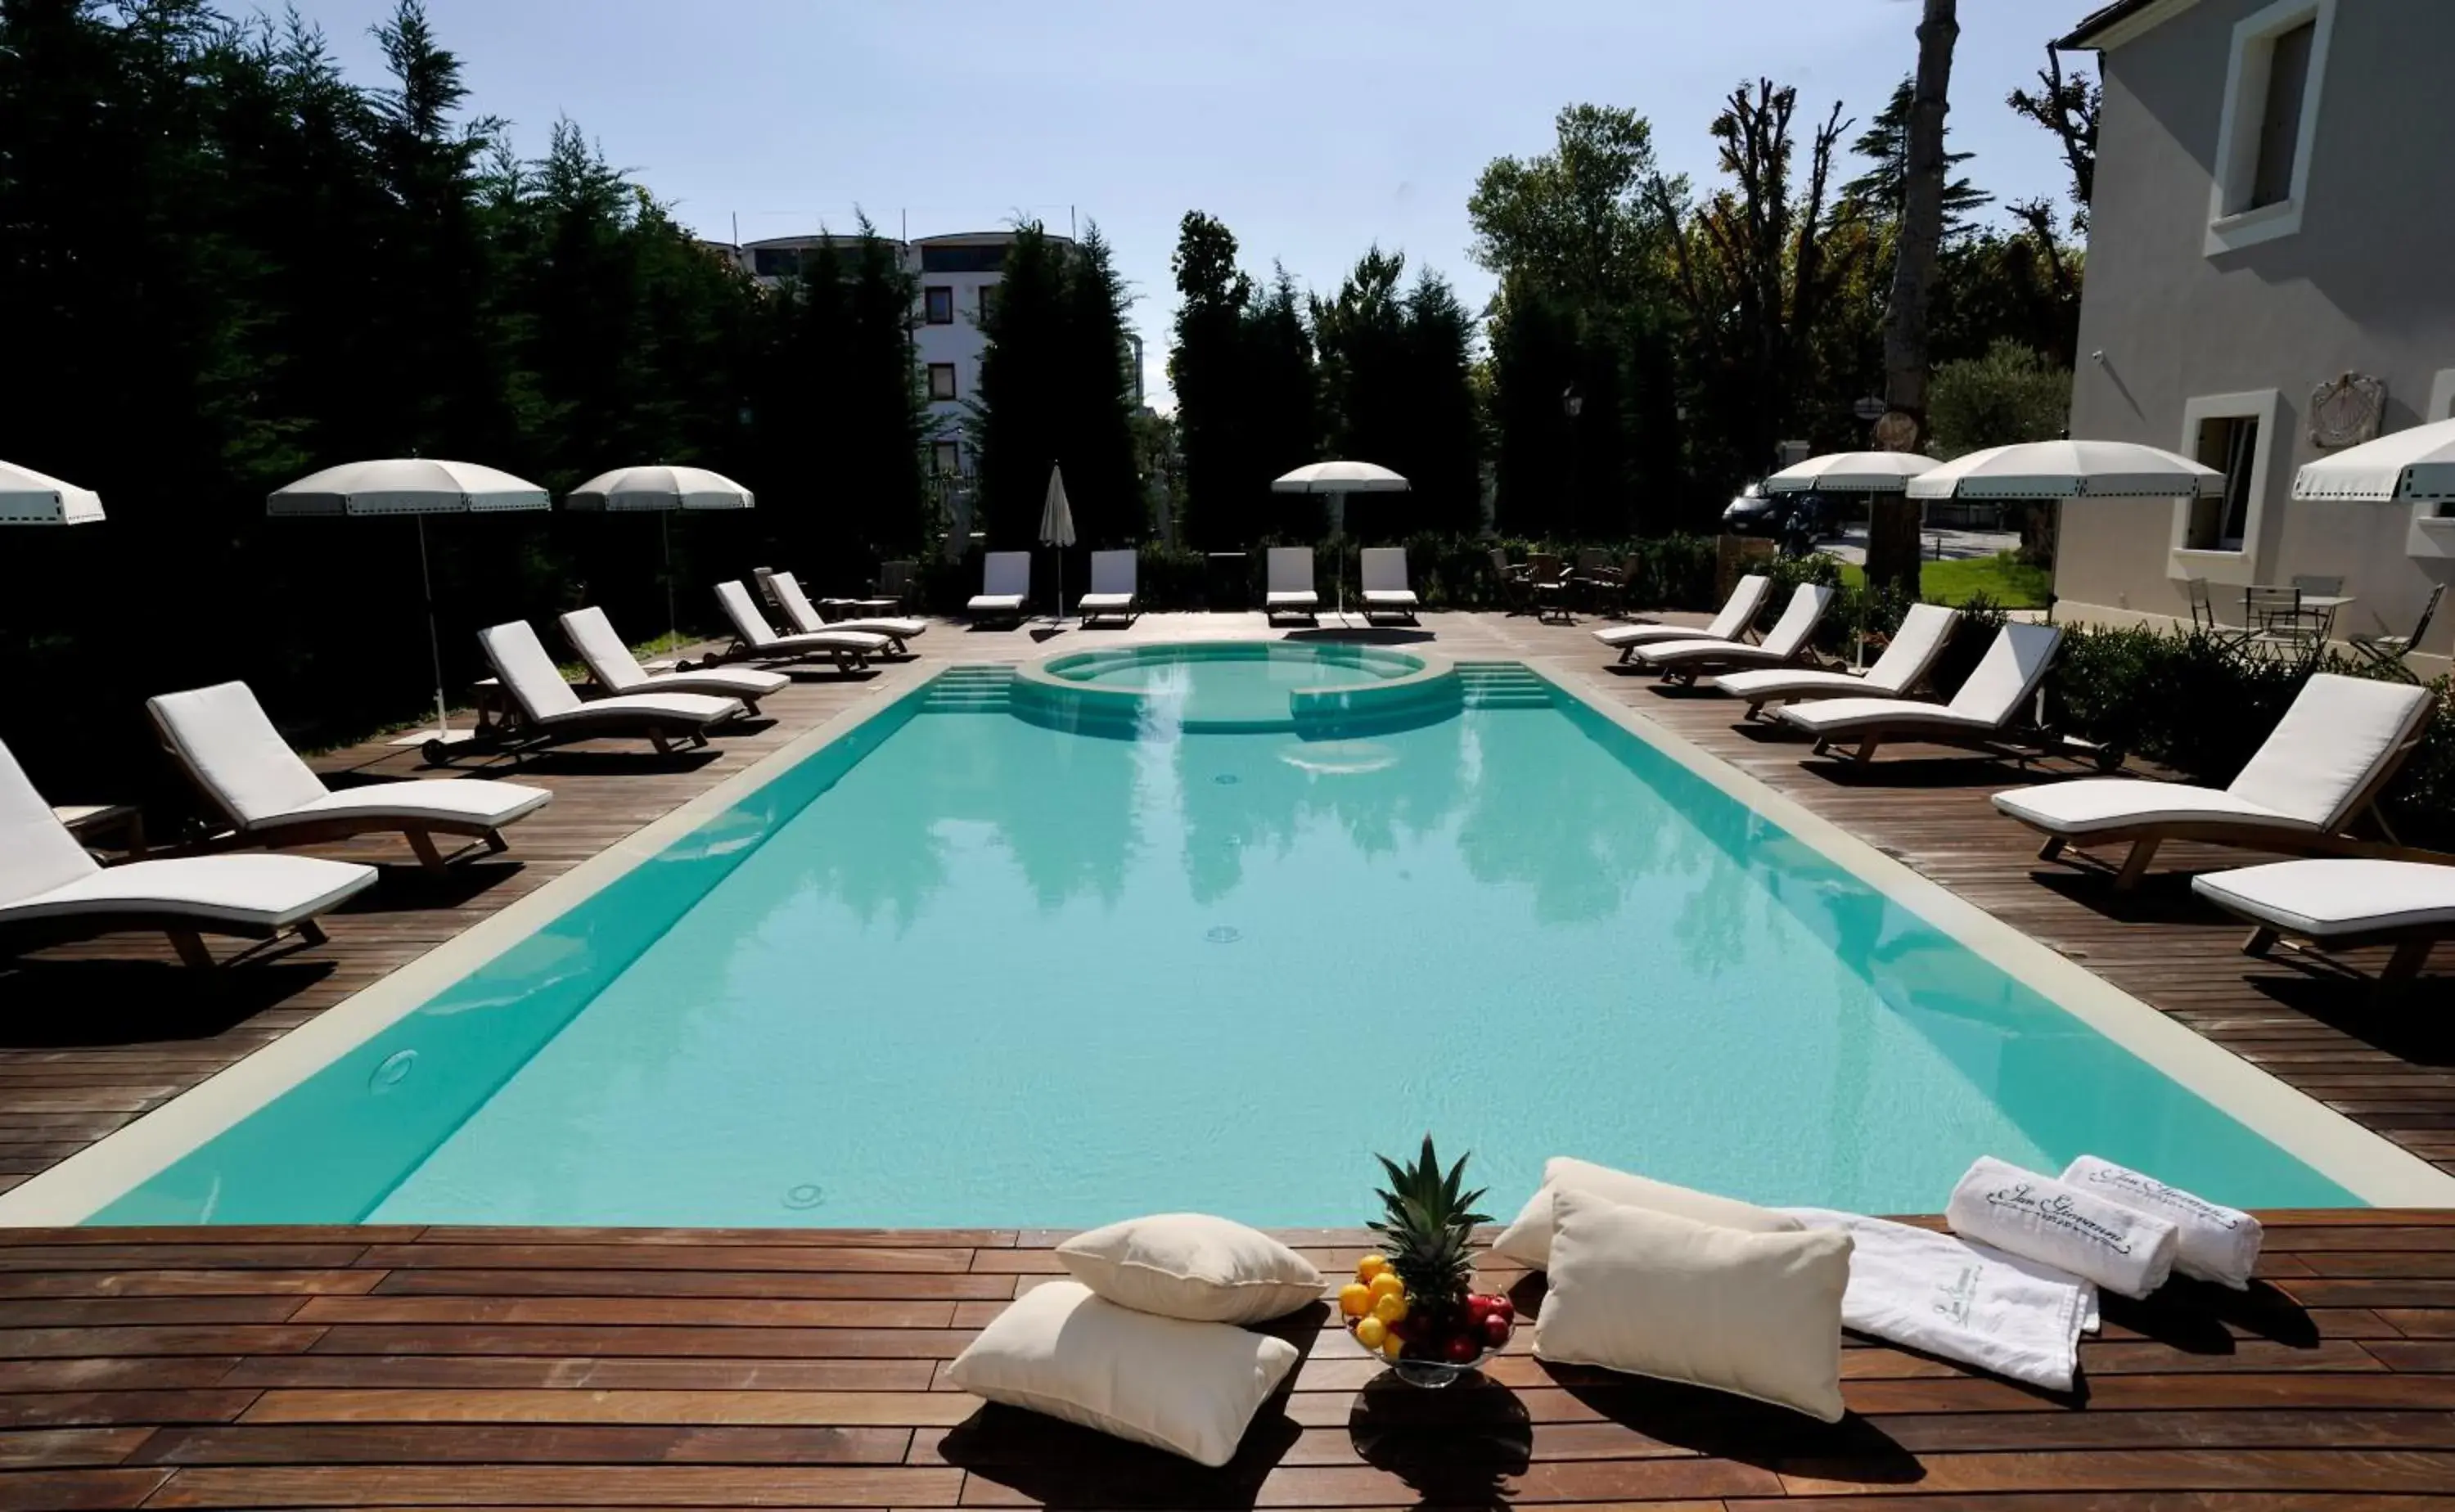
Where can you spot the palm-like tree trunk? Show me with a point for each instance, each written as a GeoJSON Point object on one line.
{"type": "Point", "coordinates": [1893, 533]}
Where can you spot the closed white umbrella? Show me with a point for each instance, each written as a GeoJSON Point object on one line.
{"type": "Point", "coordinates": [2412, 466]}
{"type": "Point", "coordinates": [2069, 469]}
{"type": "Point", "coordinates": [1851, 472]}
{"type": "Point", "coordinates": [662, 490]}
{"type": "Point", "coordinates": [1057, 529]}
{"type": "Point", "coordinates": [28, 497]}
{"type": "Point", "coordinates": [414, 486]}
{"type": "Point", "coordinates": [1337, 480]}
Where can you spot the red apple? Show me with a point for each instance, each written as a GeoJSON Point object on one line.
{"type": "Point", "coordinates": [1461, 1350]}
{"type": "Point", "coordinates": [1477, 1305]}
{"type": "Point", "coordinates": [1504, 1310]}
{"type": "Point", "coordinates": [1496, 1331]}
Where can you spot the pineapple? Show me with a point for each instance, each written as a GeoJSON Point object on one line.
{"type": "Point", "coordinates": [1424, 1225]}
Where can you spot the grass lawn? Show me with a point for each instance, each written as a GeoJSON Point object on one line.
{"type": "Point", "coordinates": [2002, 577]}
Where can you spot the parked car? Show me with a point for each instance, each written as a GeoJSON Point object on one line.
{"type": "Point", "coordinates": [1756, 512]}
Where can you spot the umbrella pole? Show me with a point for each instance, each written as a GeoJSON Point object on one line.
{"type": "Point", "coordinates": [434, 641]}
{"type": "Point", "coordinates": [665, 531]}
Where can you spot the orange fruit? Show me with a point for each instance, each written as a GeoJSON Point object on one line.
{"type": "Point", "coordinates": [1354, 1299]}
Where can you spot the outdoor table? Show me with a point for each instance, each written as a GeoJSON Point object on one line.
{"type": "Point", "coordinates": [83, 819]}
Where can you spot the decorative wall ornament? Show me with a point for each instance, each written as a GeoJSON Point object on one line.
{"type": "Point", "coordinates": [2344, 410]}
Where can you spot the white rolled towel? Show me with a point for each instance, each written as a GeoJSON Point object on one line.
{"type": "Point", "coordinates": [2215, 1243]}
{"type": "Point", "coordinates": [2023, 1213]}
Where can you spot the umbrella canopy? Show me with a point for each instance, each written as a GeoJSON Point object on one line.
{"type": "Point", "coordinates": [407, 485]}
{"type": "Point", "coordinates": [1851, 472]}
{"type": "Point", "coordinates": [1340, 477]}
{"type": "Point", "coordinates": [2069, 469]}
{"type": "Point", "coordinates": [2409, 466]}
{"type": "Point", "coordinates": [28, 497]}
{"type": "Point", "coordinates": [659, 489]}
{"type": "Point", "coordinates": [1056, 514]}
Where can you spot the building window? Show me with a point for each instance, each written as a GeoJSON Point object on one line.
{"type": "Point", "coordinates": [937, 305]}
{"type": "Point", "coordinates": [964, 257]}
{"type": "Point", "coordinates": [941, 380]}
{"type": "Point", "coordinates": [2269, 128]}
{"type": "Point", "coordinates": [946, 458]}
{"type": "Point", "coordinates": [776, 262]}
{"type": "Point", "coordinates": [989, 298]}
{"type": "Point", "coordinates": [2229, 443]}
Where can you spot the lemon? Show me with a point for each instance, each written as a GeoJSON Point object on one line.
{"type": "Point", "coordinates": [1392, 1347]}
{"type": "Point", "coordinates": [1371, 1332]}
{"type": "Point", "coordinates": [1354, 1299]}
{"type": "Point", "coordinates": [1371, 1265]}
{"type": "Point", "coordinates": [1391, 1308]}
{"type": "Point", "coordinates": [1385, 1284]}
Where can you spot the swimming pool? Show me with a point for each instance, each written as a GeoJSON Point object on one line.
{"type": "Point", "coordinates": [961, 967]}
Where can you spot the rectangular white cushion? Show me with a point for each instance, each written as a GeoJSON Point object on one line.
{"type": "Point", "coordinates": [1189, 1388]}
{"type": "Point", "coordinates": [1528, 1240]}
{"type": "Point", "coordinates": [1757, 1315]}
{"type": "Point", "coordinates": [1194, 1267]}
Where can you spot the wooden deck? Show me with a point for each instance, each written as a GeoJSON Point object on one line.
{"type": "Point", "coordinates": [399, 1367]}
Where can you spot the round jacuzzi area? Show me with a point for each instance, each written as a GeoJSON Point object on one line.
{"type": "Point", "coordinates": [1313, 688]}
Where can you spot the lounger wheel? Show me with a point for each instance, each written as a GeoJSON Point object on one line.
{"type": "Point", "coordinates": [2109, 758]}
{"type": "Point", "coordinates": [435, 754]}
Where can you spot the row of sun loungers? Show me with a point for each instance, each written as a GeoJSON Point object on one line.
{"type": "Point", "coordinates": [1006, 588]}
{"type": "Point", "coordinates": [2317, 776]}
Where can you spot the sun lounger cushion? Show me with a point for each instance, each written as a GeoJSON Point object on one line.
{"type": "Point", "coordinates": [2324, 751]}
{"type": "Point", "coordinates": [2337, 896]}
{"type": "Point", "coordinates": [1528, 1240]}
{"type": "Point", "coordinates": [1757, 1315]}
{"type": "Point", "coordinates": [454, 800]}
{"type": "Point", "coordinates": [1194, 1267]}
{"type": "Point", "coordinates": [893, 629]}
{"type": "Point", "coordinates": [1103, 603]}
{"type": "Point", "coordinates": [1392, 597]}
{"type": "Point", "coordinates": [253, 891]}
{"type": "Point", "coordinates": [1738, 613]}
{"type": "Point", "coordinates": [2092, 804]}
{"type": "Point", "coordinates": [1672, 653]}
{"type": "Point", "coordinates": [1305, 599]}
{"type": "Point", "coordinates": [1622, 637]}
{"type": "Point", "coordinates": [633, 707]}
{"type": "Point", "coordinates": [995, 603]}
{"type": "Point", "coordinates": [1769, 683]}
{"type": "Point", "coordinates": [1187, 1388]}
{"type": "Point", "coordinates": [222, 735]}
{"type": "Point", "coordinates": [616, 671]}
{"type": "Point", "coordinates": [1846, 713]}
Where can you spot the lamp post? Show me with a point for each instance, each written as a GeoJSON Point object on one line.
{"type": "Point", "coordinates": [1572, 404]}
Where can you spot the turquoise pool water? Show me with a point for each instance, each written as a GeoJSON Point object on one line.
{"type": "Point", "coordinates": [964, 969]}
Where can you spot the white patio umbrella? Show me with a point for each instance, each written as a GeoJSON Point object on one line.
{"type": "Point", "coordinates": [414, 486]}
{"type": "Point", "coordinates": [28, 497]}
{"type": "Point", "coordinates": [1057, 529]}
{"type": "Point", "coordinates": [1337, 480]}
{"type": "Point", "coordinates": [1851, 472]}
{"type": "Point", "coordinates": [2412, 466]}
{"type": "Point", "coordinates": [2069, 469]}
{"type": "Point", "coordinates": [662, 490]}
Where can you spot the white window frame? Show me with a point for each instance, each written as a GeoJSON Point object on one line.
{"type": "Point", "coordinates": [2246, 104]}
{"type": "Point", "coordinates": [2432, 533]}
{"type": "Point", "coordinates": [2184, 561]}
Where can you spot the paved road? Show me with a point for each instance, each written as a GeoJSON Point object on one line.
{"type": "Point", "coordinates": [1941, 545]}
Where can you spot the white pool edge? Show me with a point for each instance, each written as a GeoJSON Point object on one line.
{"type": "Point", "coordinates": [2365, 1164]}
{"type": "Point", "coordinates": [120, 1163]}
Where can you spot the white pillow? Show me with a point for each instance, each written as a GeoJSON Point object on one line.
{"type": "Point", "coordinates": [1528, 1240]}
{"type": "Point", "coordinates": [1189, 1388]}
{"type": "Point", "coordinates": [1193, 1265]}
{"type": "Point", "coordinates": [1659, 1295]}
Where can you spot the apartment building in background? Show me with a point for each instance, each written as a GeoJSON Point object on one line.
{"type": "Point", "coordinates": [956, 276]}
{"type": "Point", "coordinates": [2267, 282]}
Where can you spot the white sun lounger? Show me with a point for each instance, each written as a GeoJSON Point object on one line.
{"type": "Point", "coordinates": [1747, 596]}
{"type": "Point", "coordinates": [1115, 592]}
{"type": "Point", "coordinates": [2341, 902]}
{"type": "Point", "coordinates": [807, 620]}
{"type": "Point", "coordinates": [1005, 585]}
{"type": "Point", "coordinates": [1896, 673]}
{"type": "Point", "coordinates": [614, 670]}
{"type": "Point", "coordinates": [1384, 570]}
{"type": "Point", "coordinates": [221, 737]}
{"type": "Point", "coordinates": [2319, 771]}
{"type": "Point", "coordinates": [552, 711]}
{"type": "Point", "coordinates": [757, 639]}
{"type": "Point", "coordinates": [1789, 640]}
{"type": "Point", "coordinates": [1979, 715]}
{"type": "Point", "coordinates": [1287, 586]}
{"type": "Point", "coordinates": [52, 891]}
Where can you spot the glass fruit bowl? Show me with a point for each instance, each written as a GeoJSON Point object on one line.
{"type": "Point", "coordinates": [1425, 1372]}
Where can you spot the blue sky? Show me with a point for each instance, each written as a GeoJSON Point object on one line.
{"type": "Point", "coordinates": [1313, 130]}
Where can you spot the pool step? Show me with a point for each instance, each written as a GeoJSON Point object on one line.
{"type": "Point", "coordinates": [1502, 685]}
{"type": "Point", "coordinates": [969, 690]}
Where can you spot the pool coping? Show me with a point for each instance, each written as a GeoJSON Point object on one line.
{"type": "Point", "coordinates": [2361, 1160]}
{"type": "Point", "coordinates": [90, 1181]}
{"type": "Point", "coordinates": [2365, 1163]}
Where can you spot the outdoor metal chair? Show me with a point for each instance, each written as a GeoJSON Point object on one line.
{"type": "Point", "coordinates": [2281, 629]}
{"type": "Point", "coordinates": [1547, 577]}
{"type": "Point", "coordinates": [2225, 638]}
{"type": "Point", "coordinates": [2387, 653]}
{"type": "Point", "coordinates": [2320, 585]}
